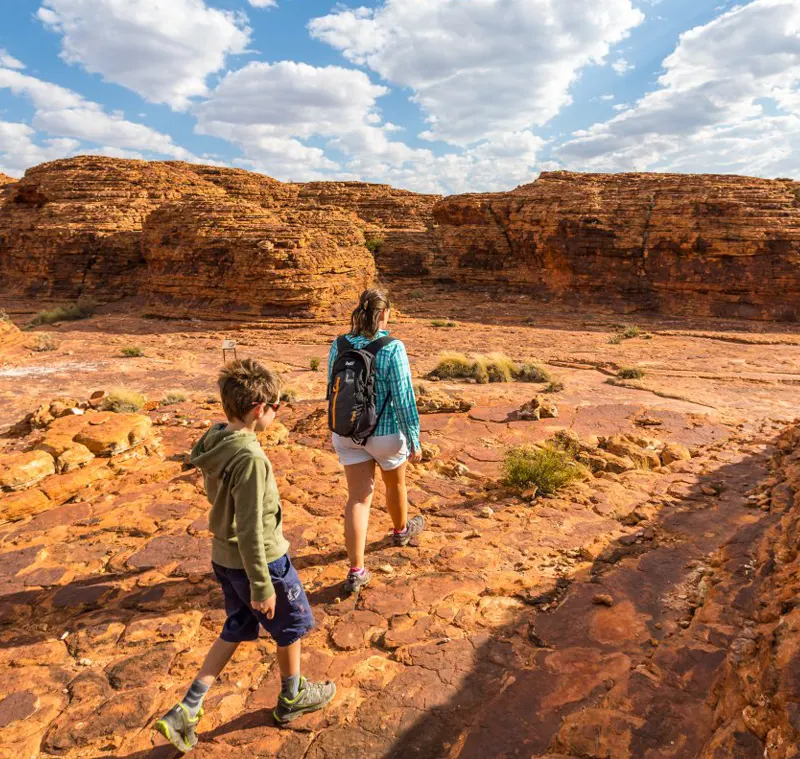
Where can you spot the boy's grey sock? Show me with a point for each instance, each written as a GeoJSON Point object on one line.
{"type": "Point", "coordinates": [290, 686]}
{"type": "Point", "coordinates": [193, 699]}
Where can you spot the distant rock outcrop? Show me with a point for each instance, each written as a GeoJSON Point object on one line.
{"type": "Point", "coordinates": [679, 244]}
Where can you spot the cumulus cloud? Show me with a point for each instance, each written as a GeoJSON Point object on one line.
{"type": "Point", "coordinates": [263, 3]}
{"type": "Point", "coordinates": [9, 61]}
{"type": "Point", "coordinates": [66, 114]}
{"type": "Point", "coordinates": [480, 68]}
{"type": "Point", "coordinates": [622, 66]}
{"type": "Point", "coordinates": [20, 149]}
{"type": "Point", "coordinates": [728, 100]}
{"type": "Point", "coordinates": [162, 50]}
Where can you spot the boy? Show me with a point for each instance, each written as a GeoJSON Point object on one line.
{"type": "Point", "coordinates": [249, 553]}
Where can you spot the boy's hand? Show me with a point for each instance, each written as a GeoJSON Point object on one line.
{"type": "Point", "coordinates": [415, 457]}
{"type": "Point", "coordinates": [267, 607]}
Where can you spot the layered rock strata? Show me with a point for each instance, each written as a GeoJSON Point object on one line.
{"type": "Point", "coordinates": [246, 243]}
{"type": "Point", "coordinates": [680, 244]}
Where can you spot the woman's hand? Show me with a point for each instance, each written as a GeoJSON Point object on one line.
{"type": "Point", "coordinates": [415, 456]}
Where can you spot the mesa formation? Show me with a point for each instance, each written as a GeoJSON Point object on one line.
{"type": "Point", "coordinates": [645, 610]}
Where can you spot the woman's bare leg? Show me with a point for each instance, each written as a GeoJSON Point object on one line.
{"type": "Point", "coordinates": [396, 495]}
{"type": "Point", "coordinates": [360, 489]}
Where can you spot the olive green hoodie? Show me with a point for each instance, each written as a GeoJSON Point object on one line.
{"type": "Point", "coordinates": [246, 515]}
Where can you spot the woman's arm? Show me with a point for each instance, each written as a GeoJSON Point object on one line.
{"type": "Point", "coordinates": [402, 388]}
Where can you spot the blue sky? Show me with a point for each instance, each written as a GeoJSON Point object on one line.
{"type": "Point", "coordinates": [433, 95]}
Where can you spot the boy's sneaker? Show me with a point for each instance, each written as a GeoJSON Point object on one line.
{"type": "Point", "coordinates": [414, 527]}
{"type": "Point", "coordinates": [356, 580]}
{"type": "Point", "coordinates": [312, 697]}
{"type": "Point", "coordinates": [179, 727]}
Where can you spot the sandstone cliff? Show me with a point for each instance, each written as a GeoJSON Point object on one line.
{"type": "Point", "coordinates": [680, 244]}
{"type": "Point", "coordinates": [82, 226]}
{"type": "Point", "coordinates": [5, 179]}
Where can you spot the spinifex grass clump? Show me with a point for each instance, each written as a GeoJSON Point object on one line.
{"type": "Point", "coordinates": [132, 351]}
{"type": "Point", "coordinates": [173, 397]}
{"type": "Point", "coordinates": [374, 245]}
{"type": "Point", "coordinates": [123, 401]}
{"type": "Point", "coordinates": [44, 343]}
{"type": "Point", "coordinates": [314, 364]}
{"type": "Point", "coordinates": [548, 468]}
{"type": "Point", "coordinates": [496, 367]}
{"type": "Point", "coordinates": [556, 386]}
{"type": "Point", "coordinates": [443, 323]}
{"type": "Point", "coordinates": [630, 373]}
{"type": "Point", "coordinates": [70, 313]}
{"type": "Point", "coordinates": [289, 395]}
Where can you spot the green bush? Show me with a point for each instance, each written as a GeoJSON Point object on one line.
{"type": "Point", "coordinates": [443, 323]}
{"type": "Point", "coordinates": [173, 397]}
{"type": "Point", "coordinates": [548, 468]}
{"type": "Point", "coordinates": [453, 366]}
{"type": "Point", "coordinates": [123, 401]}
{"type": "Point", "coordinates": [499, 367]}
{"type": "Point", "coordinates": [532, 371]}
{"type": "Point", "coordinates": [70, 313]}
{"type": "Point", "coordinates": [556, 386]}
{"type": "Point", "coordinates": [374, 245]}
{"type": "Point", "coordinates": [132, 351]}
{"type": "Point", "coordinates": [44, 343]}
{"type": "Point", "coordinates": [415, 294]}
{"type": "Point", "coordinates": [630, 373]}
{"type": "Point", "coordinates": [630, 331]}
{"type": "Point", "coordinates": [314, 364]}
{"type": "Point", "coordinates": [289, 395]}
{"type": "Point", "coordinates": [616, 340]}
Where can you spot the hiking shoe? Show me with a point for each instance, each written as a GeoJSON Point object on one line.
{"type": "Point", "coordinates": [179, 727]}
{"type": "Point", "coordinates": [311, 698]}
{"type": "Point", "coordinates": [355, 581]}
{"type": "Point", "coordinates": [413, 528]}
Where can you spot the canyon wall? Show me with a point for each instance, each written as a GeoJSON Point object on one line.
{"type": "Point", "coordinates": [696, 245]}
{"type": "Point", "coordinates": [700, 245]}
{"type": "Point", "coordinates": [182, 236]}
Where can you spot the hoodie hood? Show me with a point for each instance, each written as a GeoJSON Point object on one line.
{"type": "Point", "coordinates": [215, 450]}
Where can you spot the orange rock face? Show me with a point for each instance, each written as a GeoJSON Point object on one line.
{"type": "Point", "coordinates": [697, 245]}
{"type": "Point", "coordinates": [184, 236]}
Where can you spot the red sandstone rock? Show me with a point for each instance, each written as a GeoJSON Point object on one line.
{"type": "Point", "coordinates": [691, 244]}
{"type": "Point", "coordinates": [20, 471]}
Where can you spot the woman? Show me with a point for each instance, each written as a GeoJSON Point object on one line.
{"type": "Point", "coordinates": [395, 442]}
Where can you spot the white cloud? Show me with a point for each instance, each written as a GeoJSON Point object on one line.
{"type": "Point", "coordinates": [162, 50]}
{"type": "Point", "coordinates": [19, 148]}
{"type": "Point", "coordinates": [66, 114]}
{"type": "Point", "coordinates": [622, 66]}
{"type": "Point", "coordinates": [263, 3]}
{"type": "Point", "coordinates": [479, 68]}
{"type": "Point", "coordinates": [9, 61]}
{"type": "Point", "coordinates": [729, 100]}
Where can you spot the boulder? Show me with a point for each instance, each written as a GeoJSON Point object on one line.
{"type": "Point", "coordinates": [20, 471]}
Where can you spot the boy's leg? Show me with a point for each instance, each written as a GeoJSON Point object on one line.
{"type": "Point", "coordinates": [298, 695]}
{"type": "Point", "coordinates": [360, 489]}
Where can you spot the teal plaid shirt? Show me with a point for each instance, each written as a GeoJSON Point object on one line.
{"type": "Point", "coordinates": [392, 373]}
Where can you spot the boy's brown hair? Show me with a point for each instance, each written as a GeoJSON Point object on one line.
{"type": "Point", "coordinates": [244, 383]}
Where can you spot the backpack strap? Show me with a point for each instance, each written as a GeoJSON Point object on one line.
{"type": "Point", "coordinates": [376, 345]}
{"type": "Point", "coordinates": [342, 345]}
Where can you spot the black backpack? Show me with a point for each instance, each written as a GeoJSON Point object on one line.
{"type": "Point", "coordinates": [352, 411]}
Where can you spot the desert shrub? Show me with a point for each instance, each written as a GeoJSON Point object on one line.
{"type": "Point", "coordinates": [500, 367]}
{"type": "Point", "coordinates": [123, 401]}
{"type": "Point", "coordinates": [44, 342]}
{"type": "Point", "coordinates": [453, 366]}
{"type": "Point", "coordinates": [314, 364]}
{"type": "Point", "coordinates": [374, 245]}
{"type": "Point", "coordinates": [616, 340]}
{"type": "Point", "coordinates": [288, 395]}
{"type": "Point", "coordinates": [4, 317]}
{"type": "Point", "coordinates": [556, 386]}
{"type": "Point", "coordinates": [416, 294]}
{"type": "Point", "coordinates": [132, 351]}
{"type": "Point", "coordinates": [531, 371]}
{"type": "Point", "coordinates": [70, 313]}
{"type": "Point", "coordinates": [173, 397]}
{"type": "Point", "coordinates": [629, 331]}
{"type": "Point", "coordinates": [548, 468]}
{"type": "Point", "coordinates": [439, 323]}
{"type": "Point", "coordinates": [630, 372]}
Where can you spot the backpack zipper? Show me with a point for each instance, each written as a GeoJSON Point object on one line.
{"type": "Point", "coordinates": [335, 398]}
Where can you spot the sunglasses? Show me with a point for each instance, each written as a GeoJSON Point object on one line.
{"type": "Point", "coordinates": [274, 406]}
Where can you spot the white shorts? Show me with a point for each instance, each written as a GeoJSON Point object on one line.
{"type": "Point", "coordinates": [390, 451]}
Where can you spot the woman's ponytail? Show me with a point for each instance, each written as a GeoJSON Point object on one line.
{"type": "Point", "coordinates": [367, 314]}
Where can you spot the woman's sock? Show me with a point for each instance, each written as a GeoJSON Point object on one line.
{"type": "Point", "coordinates": [403, 531]}
{"type": "Point", "coordinates": [193, 699]}
{"type": "Point", "coordinates": [357, 571]}
{"type": "Point", "coordinates": [290, 686]}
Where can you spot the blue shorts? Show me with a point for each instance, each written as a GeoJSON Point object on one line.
{"type": "Point", "coordinates": [293, 617]}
